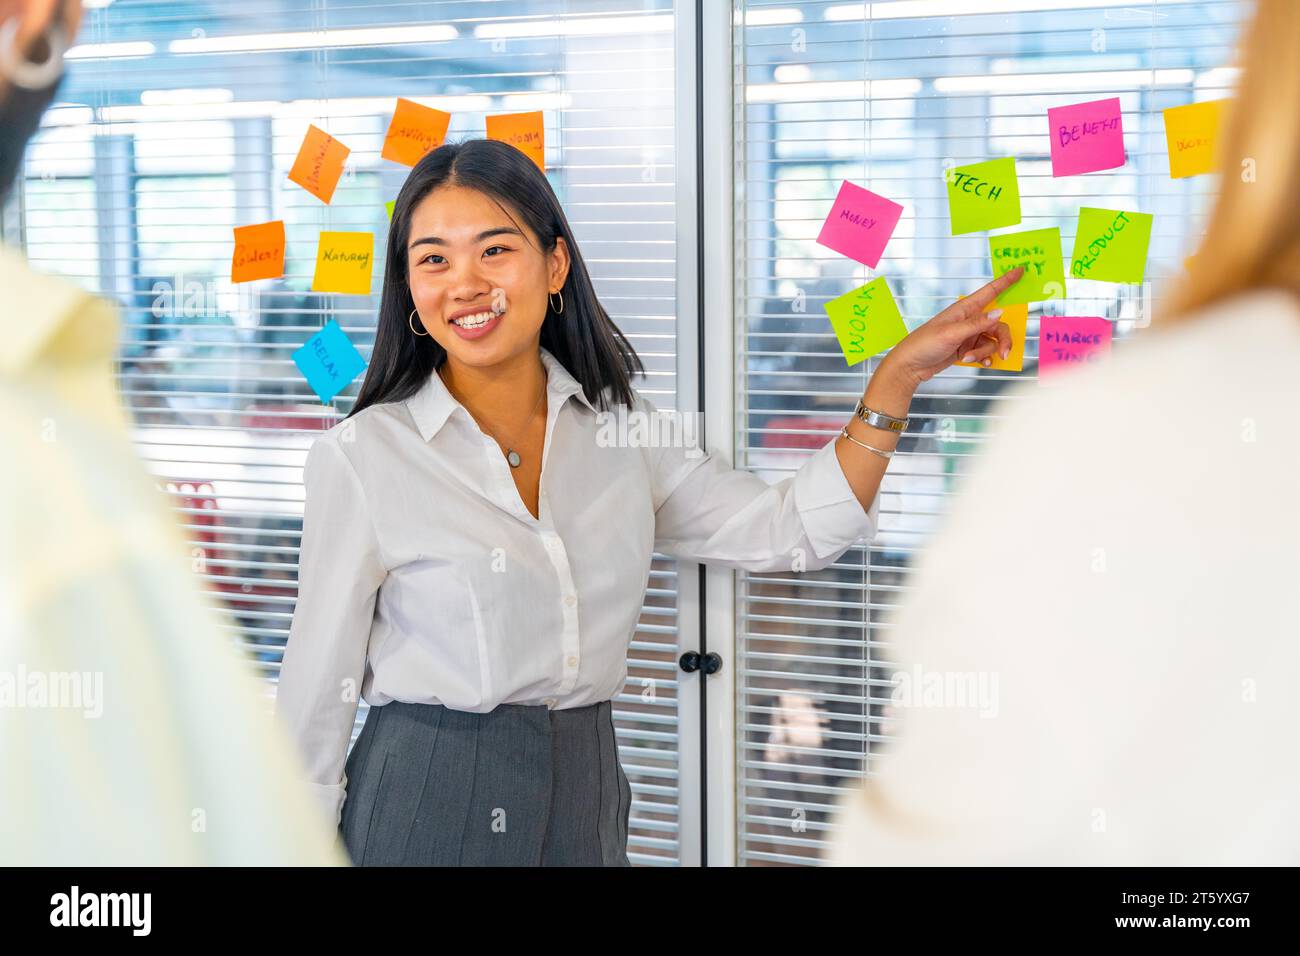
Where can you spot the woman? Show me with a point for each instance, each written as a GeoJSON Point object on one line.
{"type": "Point", "coordinates": [475, 550]}
{"type": "Point", "coordinates": [1120, 573]}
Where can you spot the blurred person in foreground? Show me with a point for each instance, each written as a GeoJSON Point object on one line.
{"type": "Point", "coordinates": [131, 731]}
{"type": "Point", "coordinates": [1123, 564]}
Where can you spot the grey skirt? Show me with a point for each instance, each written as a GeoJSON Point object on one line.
{"type": "Point", "coordinates": [521, 785]}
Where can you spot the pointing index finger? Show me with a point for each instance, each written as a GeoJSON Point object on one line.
{"type": "Point", "coordinates": [991, 290]}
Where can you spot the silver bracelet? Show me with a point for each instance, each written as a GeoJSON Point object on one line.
{"type": "Point", "coordinates": [844, 432]}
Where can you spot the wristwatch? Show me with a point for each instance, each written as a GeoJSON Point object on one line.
{"type": "Point", "coordinates": [878, 419]}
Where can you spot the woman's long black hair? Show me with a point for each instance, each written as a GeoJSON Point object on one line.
{"type": "Point", "coordinates": [583, 338]}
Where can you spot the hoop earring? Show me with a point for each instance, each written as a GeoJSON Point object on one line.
{"type": "Point", "coordinates": [22, 71]}
{"type": "Point", "coordinates": [560, 310]}
{"type": "Point", "coordinates": [410, 320]}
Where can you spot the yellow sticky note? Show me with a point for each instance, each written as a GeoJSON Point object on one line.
{"type": "Point", "coordinates": [343, 263]}
{"type": "Point", "coordinates": [1191, 133]}
{"type": "Point", "coordinates": [390, 206]}
{"type": "Point", "coordinates": [524, 131]}
{"type": "Point", "coordinates": [259, 252]}
{"type": "Point", "coordinates": [414, 131]}
{"type": "Point", "coordinates": [319, 163]}
{"type": "Point", "coordinates": [1017, 319]}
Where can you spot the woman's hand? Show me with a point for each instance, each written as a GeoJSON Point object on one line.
{"type": "Point", "coordinates": [963, 332]}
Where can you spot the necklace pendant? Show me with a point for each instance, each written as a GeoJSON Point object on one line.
{"type": "Point", "coordinates": [512, 456]}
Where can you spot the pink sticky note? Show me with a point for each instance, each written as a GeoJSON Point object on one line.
{"type": "Point", "coordinates": [860, 224]}
{"type": "Point", "coordinates": [1065, 340]}
{"type": "Point", "coordinates": [1086, 137]}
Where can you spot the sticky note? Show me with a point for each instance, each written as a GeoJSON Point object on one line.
{"type": "Point", "coordinates": [1017, 319]}
{"type": "Point", "coordinates": [524, 131]}
{"type": "Point", "coordinates": [1111, 245]}
{"type": "Point", "coordinates": [389, 206]}
{"type": "Point", "coordinates": [1065, 340]}
{"type": "Point", "coordinates": [343, 263]}
{"type": "Point", "coordinates": [1086, 137]}
{"type": "Point", "coordinates": [866, 321]}
{"type": "Point", "coordinates": [414, 131]}
{"type": "Point", "coordinates": [329, 361]}
{"type": "Point", "coordinates": [1190, 134]}
{"type": "Point", "coordinates": [319, 163]}
{"type": "Point", "coordinates": [259, 252]}
{"type": "Point", "coordinates": [860, 224]}
{"type": "Point", "coordinates": [983, 196]}
{"type": "Point", "coordinates": [1039, 251]}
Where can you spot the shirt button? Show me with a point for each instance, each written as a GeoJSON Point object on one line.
{"type": "Point", "coordinates": [570, 600]}
{"type": "Point", "coordinates": [573, 662]}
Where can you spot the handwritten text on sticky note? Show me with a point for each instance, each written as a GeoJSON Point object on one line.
{"type": "Point", "coordinates": [329, 361]}
{"type": "Point", "coordinates": [1190, 135]}
{"type": "Point", "coordinates": [1039, 251]}
{"type": "Point", "coordinates": [524, 131]}
{"type": "Point", "coordinates": [343, 263]}
{"type": "Point", "coordinates": [259, 252]}
{"type": "Point", "coordinates": [1065, 340]}
{"type": "Point", "coordinates": [1017, 319]}
{"type": "Point", "coordinates": [983, 196]}
{"type": "Point", "coordinates": [319, 163]}
{"type": "Point", "coordinates": [1111, 245]}
{"type": "Point", "coordinates": [860, 224]}
{"type": "Point", "coordinates": [414, 131]}
{"type": "Point", "coordinates": [1086, 137]}
{"type": "Point", "coordinates": [866, 321]}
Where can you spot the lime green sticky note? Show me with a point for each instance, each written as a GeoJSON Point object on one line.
{"type": "Point", "coordinates": [1039, 251]}
{"type": "Point", "coordinates": [983, 196]}
{"type": "Point", "coordinates": [389, 206]}
{"type": "Point", "coordinates": [866, 321]}
{"type": "Point", "coordinates": [1111, 245]}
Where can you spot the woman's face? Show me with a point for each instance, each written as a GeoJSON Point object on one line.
{"type": "Point", "coordinates": [465, 252]}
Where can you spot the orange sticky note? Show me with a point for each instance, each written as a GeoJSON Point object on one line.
{"type": "Point", "coordinates": [259, 252]}
{"type": "Point", "coordinates": [1191, 133]}
{"type": "Point", "coordinates": [319, 164]}
{"type": "Point", "coordinates": [414, 131]}
{"type": "Point", "coordinates": [1017, 319]}
{"type": "Point", "coordinates": [343, 263]}
{"type": "Point", "coordinates": [524, 131]}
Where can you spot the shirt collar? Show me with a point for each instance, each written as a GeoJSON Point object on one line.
{"type": "Point", "coordinates": [433, 404]}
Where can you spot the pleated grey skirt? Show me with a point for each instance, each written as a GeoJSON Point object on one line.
{"type": "Point", "coordinates": [522, 785]}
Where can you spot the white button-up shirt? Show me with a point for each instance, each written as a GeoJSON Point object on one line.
{"type": "Point", "coordinates": [424, 578]}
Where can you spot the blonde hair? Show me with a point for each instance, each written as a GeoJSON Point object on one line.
{"type": "Point", "coordinates": [1252, 239]}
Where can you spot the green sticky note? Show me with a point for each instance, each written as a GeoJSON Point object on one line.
{"type": "Point", "coordinates": [1039, 251]}
{"type": "Point", "coordinates": [866, 321]}
{"type": "Point", "coordinates": [1111, 245]}
{"type": "Point", "coordinates": [389, 206]}
{"type": "Point", "coordinates": [983, 196]}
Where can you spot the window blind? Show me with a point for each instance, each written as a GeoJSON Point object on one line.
{"type": "Point", "coordinates": [179, 121]}
{"type": "Point", "coordinates": [888, 95]}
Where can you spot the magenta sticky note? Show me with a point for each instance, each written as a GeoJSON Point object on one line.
{"type": "Point", "coordinates": [860, 224]}
{"type": "Point", "coordinates": [1086, 137]}
{"type": "Point", "coordinates": [1065, 340]}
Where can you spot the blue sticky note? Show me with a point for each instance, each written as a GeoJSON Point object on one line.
{"type": "Point", "coordinates": [329, 361]}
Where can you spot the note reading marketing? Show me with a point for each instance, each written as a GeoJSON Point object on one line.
{"type": "Point", "coordinates": [866, 321]}
{"type": "Point", "coordinates": [1086, 137]}
{"type": "Point", "coordinates": [1066, 340]}
{"type": "Point", "coordinates": [1111, 245]}
{"type": "Point", "coordinates": [1039, 251]}
{"type": "Point", "coordinates": [329, 361]}
{"type": "Point", "coordinates": [983, 196]}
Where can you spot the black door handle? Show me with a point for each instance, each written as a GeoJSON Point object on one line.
{"type": "Point", "coordinates": [692, 661]}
